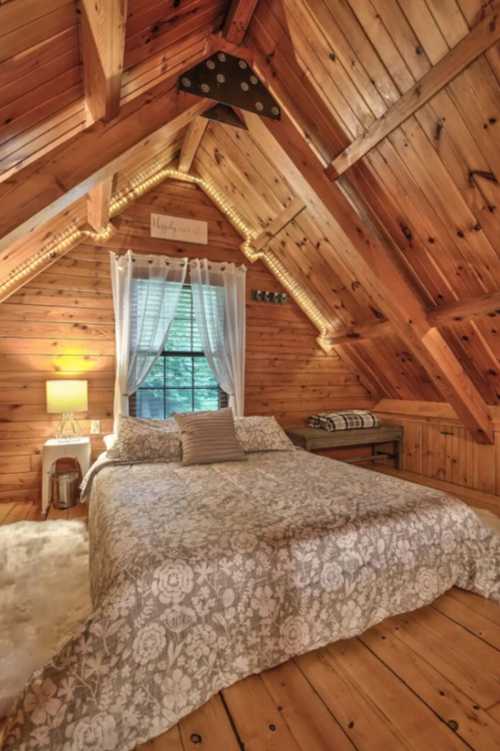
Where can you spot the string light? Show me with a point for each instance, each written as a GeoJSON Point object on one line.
{"type": "Point", "coordinates": [147, 180]}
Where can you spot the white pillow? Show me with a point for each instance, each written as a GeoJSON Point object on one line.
{"type": "Point", "coordinates": [109, 441]}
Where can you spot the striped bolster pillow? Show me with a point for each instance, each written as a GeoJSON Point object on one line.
{"type": "Point", "coordinates": [209, 437]}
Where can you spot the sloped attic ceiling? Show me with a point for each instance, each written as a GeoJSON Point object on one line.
{"type": "Point", "coordinates": [399, 235]}
{"type": "Point", "coordinates": [233, 160]}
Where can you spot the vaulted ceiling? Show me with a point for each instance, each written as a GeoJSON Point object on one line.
{"type": "Point", "coordinates": [376, 193]}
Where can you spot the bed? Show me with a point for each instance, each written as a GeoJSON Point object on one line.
{"type": "Point", "coordinates": [202, 575]}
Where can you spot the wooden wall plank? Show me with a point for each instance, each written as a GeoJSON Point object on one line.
{"type": "Point", "coordinates": [61, 326]}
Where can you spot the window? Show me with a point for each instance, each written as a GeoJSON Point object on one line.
{"type": "Point", "coordinates": [181, 379]}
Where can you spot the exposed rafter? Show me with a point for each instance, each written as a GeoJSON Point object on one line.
{"type": "Point", "coordinates": [238, 19]}
{"type": "Point", "coordinates": [480, 39]}
{"type": "Point", "coordinates": [102, 43]}
{"type": "Point", "coordinates": [52, 182]}
{"type": "Point", "coordinates": [103, 26]}
{"type": "Point", "coordinates": [191, 142]}
{"type": "Point", "coordinates": [278, 224]}
{"type": "Point", "coordinates": [475, 307]}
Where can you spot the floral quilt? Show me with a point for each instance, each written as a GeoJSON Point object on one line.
{"type": "Point", "coordinates": [202, 575]}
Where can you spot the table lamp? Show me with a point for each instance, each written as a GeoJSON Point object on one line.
{"type": "Point", "coordinates": [67, 397]}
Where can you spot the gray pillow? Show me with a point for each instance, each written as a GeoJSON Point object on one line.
{"type": "Point", "coordinates": [209, 437]}
{"type": "Point", "coordinates": [146, 440]}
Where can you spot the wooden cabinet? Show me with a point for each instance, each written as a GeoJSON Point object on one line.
{"type": "Point", "coordinates": [442, 449]}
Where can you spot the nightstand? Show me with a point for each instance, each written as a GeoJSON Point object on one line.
{"type": "Point", "coordinates": [62, 448]}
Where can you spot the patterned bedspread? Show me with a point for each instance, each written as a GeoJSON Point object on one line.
{"type": "Point", "coordinates": [202, 575]}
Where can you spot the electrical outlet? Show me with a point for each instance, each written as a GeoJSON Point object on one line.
{"type": "Point", "coordinates": [95, 427]}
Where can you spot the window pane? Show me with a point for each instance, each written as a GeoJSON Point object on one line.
{"type": "Point", "coordinates": [178, 400]}
{"type": "Point", "coordinates": [206, 399]}
{"type": "Point", "coordinates": [203, 375]}
{"type": "Point", "coordinates": [181, 331]}
{"type": "Point", "coordinates": [179, 337]}
{"type": "Point", "coordinates": [150, 403]}
{"type": "Point", "coordinates": [174, 376]}
{"type": "Point", "coordinates": [178, 371]}
{"type": "Point", "coordinates": [155, 375]}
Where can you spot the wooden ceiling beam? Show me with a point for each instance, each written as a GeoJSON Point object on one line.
{"type": "Point", "coordinates": [371, 259]}
{"type": "Point", "coordinates": [191, 142]}
{"type": "Point", "coordinates": [99, 204]}
{"type": "Point", "coordinates": [479, 40]}
{"type": "Point", "coordinates": [464, 310]}
{"type": "Point", "coordinates": [279, 223]}
{"type": "Point", "coordinates": [238, 20]}
{"type": "Point", "coordinates": [361, 334]}
{"type": "Point", "coordinates": [55, 180]}
{"type": "Point", "coordinates": [102, 43]}
{"type": "Point", "coordinates": [103, 25]}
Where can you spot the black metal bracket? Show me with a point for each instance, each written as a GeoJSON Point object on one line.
{"type": "Point", "coordinates": [221, 113]}
{"type": "Point", "coordinates": [230, 80]}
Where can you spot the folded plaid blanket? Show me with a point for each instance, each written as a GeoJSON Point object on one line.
{"type": "Point", "coordinates": [350, 419]}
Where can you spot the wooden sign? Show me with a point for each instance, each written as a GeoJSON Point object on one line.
{"type": "Point", "coordinates": [174, 228]}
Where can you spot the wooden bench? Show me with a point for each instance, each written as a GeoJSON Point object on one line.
{"type": "Point", "coordinates": [316, 439]}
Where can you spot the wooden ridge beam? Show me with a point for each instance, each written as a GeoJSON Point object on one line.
{"type": "Point", "coordinates": [102, 43]}
{"type": "Point", "coordinates": [238, 19]}
{"type": "Point", "coordinates": [55, 180]}
{"type": "Point", "coordinates": [463, 310]}
{"type": "Point", "coordinates": [191, 142]}
{"type": "Point", "coordinates": [371, 259]}
{"type": "Point", "coordinates": [479, 40]}
{"type": "Point", "coordinates": [278, 224]}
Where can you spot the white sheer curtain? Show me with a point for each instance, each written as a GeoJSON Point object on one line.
{"type": "Point", "coordinates": [146, 291]}
{"type": "Point", "coordinates": [219, 309]}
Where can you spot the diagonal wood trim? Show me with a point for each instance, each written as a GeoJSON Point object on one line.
{"type": "Point", "coordinates": [279, 223]}
{"type": "Point", "coordinates": [55, 180]}
{"type": "Point", "coordinates": [474, 307]}
{"type": "Point", "coordinates": [372, 261]}
{"type": "Point", "coordinates": [102, 43]}
{"type": "Point", "coordinates": [191, 142]}
{"type": "Point", "coordinates": [483, 36]}
{"type": "Point", "coordinates": [238, 19]}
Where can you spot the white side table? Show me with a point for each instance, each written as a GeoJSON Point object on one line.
{"type": "Point", "coordinates": [58, 448]}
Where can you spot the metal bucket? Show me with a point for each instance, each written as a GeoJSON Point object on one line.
{"type": "Point", "coordinates": [65, 489]}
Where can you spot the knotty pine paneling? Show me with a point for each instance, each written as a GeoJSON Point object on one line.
{"type": "Point", "coordinates": [61, 326]}
{"type": "Point", "coordinates": [436, 446]}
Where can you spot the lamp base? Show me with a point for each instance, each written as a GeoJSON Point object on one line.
{"type": "Point", "coordinates": [69, 427]}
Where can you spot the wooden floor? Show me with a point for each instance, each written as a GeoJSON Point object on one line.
{"type": "Point", "coordinates": [427, 681]}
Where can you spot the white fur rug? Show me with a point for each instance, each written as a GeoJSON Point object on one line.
{"type": "Point", "coordinates": [44, 594]}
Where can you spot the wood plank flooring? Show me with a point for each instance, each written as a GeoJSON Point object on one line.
{"type": "Point", "coordinates": [425, 681]}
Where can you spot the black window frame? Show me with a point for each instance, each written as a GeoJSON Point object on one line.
{"type": "Point", "coordinates": [223, 399]}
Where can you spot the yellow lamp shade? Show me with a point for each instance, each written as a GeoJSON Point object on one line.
{"type": "Point", "coordinates": [66, 396]}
